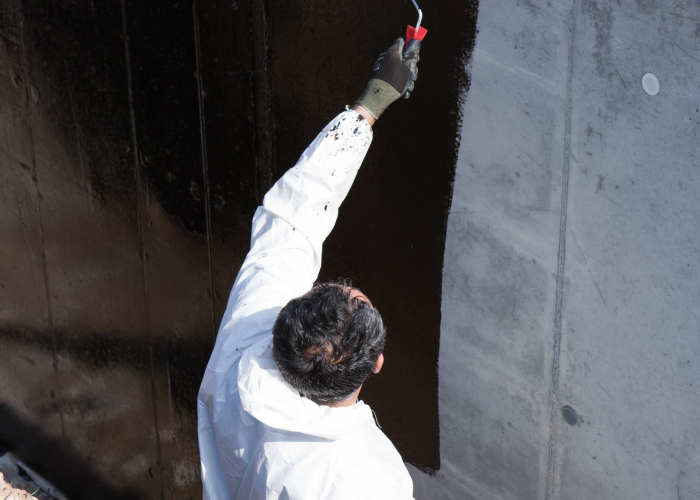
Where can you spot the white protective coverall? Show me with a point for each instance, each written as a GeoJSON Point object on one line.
{"type": "Point", "coordinates": [258, 439]}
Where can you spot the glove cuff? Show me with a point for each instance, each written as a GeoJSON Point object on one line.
{"type": "Point", "coordinates": [377, 96]}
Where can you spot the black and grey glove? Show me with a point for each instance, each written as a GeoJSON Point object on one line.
{"type": "Point", "coordinates": [393, 76]}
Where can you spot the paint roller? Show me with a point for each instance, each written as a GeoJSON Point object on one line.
{"type": "Point", "coordinates": [418, 32]}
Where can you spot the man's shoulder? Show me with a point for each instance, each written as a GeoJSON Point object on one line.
{"type": "Point", "coordinates": [372, 435]}
{"type": "Point", "coordinates": [369, 466]}
{"type": "Point", "coordinates": [368, 452]}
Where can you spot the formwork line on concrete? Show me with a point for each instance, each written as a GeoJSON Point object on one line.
{"type": "Point", "coordinates": [205, 162]}
{"type": "Point", "coordinates": [38, 197]}
{"type": "Point", "coordinates": [561, 259]}
{"type": "Point", "coordinates": [262, 100]}
{"type": "Point", "coordinates": [78, 138]}
{"type": "Point", "coordinates": [142, 237]}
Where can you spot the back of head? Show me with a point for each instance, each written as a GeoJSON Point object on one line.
{"type": "Point", "coordinates": [325, 343]}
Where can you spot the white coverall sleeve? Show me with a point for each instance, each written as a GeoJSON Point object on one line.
{"type": "Point", "coordinates": [284, 260]}
{"type": "Point", "coordinates": [295, 218]}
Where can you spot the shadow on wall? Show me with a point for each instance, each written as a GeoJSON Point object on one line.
{"type": "Point", "coordinates": [40, 448]}
{"type": "Point", "coordinates": [134, 152]}
{"type": "Point", "coordinates": [107, 395]}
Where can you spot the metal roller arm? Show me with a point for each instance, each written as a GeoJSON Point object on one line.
{"type": "Point", "coordinates": [420, 14]}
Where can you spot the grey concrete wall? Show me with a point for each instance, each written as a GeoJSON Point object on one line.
{"type": "Point", "coordinates": [572, 269]}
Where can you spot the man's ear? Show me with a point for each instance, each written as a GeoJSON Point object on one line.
{"type": "Point", "coordinates": [378, 365]}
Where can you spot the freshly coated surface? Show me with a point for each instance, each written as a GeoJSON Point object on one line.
{"type": "Point", "coordinates": [390, 234]}
{"type": "Point", "coordinates": [134, 148]}
{"type": "Point", "coordinates": [569, 354]}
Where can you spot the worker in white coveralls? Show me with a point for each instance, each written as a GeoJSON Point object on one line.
{"type": "Point", "coordinates": [278, 409]}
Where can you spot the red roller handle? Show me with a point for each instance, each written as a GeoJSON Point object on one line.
{"type": "Point", "coordinates": [413, 34]}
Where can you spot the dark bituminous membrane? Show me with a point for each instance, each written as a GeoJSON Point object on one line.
{"type": "Point", "coordinates": [403, 192]}
{"type": "Point", "coordinates": [112, 282]}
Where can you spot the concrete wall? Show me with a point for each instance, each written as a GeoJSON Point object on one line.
{"type": "Point", "coordinates": [571, 264]}
{"type": "Point", "coordinates": [136, 139]}
{"type": "Point", "coordinates": [570, 339]}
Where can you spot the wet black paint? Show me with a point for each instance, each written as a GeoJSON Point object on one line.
{"type": "Point", "coordinates": [389, 238]}
{"type": "Point", "coordinates": [131, 166]}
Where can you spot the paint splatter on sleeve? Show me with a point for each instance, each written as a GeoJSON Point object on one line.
{"type": "Point", "coordinates": [297, 215]}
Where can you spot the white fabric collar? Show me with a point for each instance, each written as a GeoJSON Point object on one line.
{"type": "Point", "coordinates": [270, 399]}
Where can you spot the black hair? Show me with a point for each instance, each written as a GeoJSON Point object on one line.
{"type": "Point", "coordinates": [326, 343]}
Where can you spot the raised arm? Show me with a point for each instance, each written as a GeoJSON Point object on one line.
{"type": "Point", "coordinates": [297, 215]}
{"type": "Point", "coordinates": [300, 210]}
{"type": "Point", "coordinates": [284, 260]}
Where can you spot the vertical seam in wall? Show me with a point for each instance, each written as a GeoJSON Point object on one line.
{"type": "Point", "coordinates": [140, 194]}
{"type": "Point", "coordinates": [561, 260]}
{"type": "Point", "coordinates": [88, 199]}
{"type": "Point", "coordinates": [262, 100]}
{"type": "Point", "coordinates": [205, 163]}
{"type": "Point", "coordinates": [37, 193]}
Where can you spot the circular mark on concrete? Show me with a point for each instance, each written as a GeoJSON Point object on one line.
{"type": "Point", "coordinates": [196, 192]}
{"type": "Point", "coordinates": [15, 78]}
{"type": "Point", "coordinates": [219, 202]}
{"type": "Point", "coordinates": [569, 415]}
{"type": "Point", "coordinates": [650, 84]}
{"type": "Point", "coordinates": [145, 159]}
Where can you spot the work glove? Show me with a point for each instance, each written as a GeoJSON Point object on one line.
{"type": "Point", "coordinates": [393, 76]}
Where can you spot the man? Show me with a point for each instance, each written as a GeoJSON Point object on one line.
{"type": "Point", "coordinates": [278, 409]}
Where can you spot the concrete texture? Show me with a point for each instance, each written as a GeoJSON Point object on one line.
{"type": "Point", "coordinates": [572, 270]}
